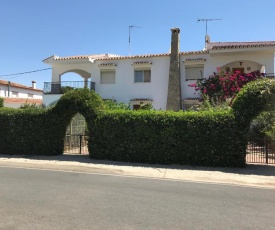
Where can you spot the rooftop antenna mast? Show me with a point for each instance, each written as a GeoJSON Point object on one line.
{"type": "Point", "coordinates": [207, 20]}
{"type": "Point", "coordinates": [130, 28]}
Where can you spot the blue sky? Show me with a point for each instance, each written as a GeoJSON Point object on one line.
{"type": "Point", "coordinates": [32, 30]}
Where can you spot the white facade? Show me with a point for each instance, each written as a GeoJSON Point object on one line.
{"type": "Point", "coordinates": [119, 77]}
{"type": "Point", "coordinates": [16, 95]}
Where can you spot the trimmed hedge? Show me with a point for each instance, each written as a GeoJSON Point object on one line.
{"type": "Point", "coordinates": [1, 102]}
{"type": "Point", "coordinates": [197, 138]}
{"type": "Point", "coordinates": [204, 138]}
{"type": "Point", "coordinates": [41, 131]}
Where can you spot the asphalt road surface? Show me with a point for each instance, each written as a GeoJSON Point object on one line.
{"type": "Point", "coordinates": [43, 199]}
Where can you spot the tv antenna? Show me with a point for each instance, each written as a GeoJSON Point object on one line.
{"type": "Point", "coordinates": [207, 20]}
{"type": "Point", "coordinates": [130, 28]}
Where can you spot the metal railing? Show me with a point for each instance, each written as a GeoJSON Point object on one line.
{"type": "Point", "coordinates": [269, 75]}
{"type": "Point", "coordinates": [64, 86]}
{"type": "Point", "coordinates": [260, 150]}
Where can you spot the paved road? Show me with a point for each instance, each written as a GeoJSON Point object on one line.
{"type": "Point", "coordinates": [44, 199]}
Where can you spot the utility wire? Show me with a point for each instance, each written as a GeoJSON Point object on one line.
{"type": "Point", "coordinates": [14, 74]}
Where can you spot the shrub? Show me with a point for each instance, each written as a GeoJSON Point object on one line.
{"type": "Point", "coordinates": [113, 105]}
{"type": "Point", "coordinates": [224, 86]}
{"type": "Point", "coordinates": [31, 106]}
{"type": "Point", "coordinates": [1, 102]}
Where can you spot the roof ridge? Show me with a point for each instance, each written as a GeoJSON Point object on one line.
{"type": "Point", "coordinates": [17, 85]}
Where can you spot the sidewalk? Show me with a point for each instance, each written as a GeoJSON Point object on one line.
{"type": "Point", "coordinates": [252, 175]}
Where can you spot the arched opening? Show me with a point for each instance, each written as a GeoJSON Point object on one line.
{"type": "Point", "coordinates": [254, 109]}
{"type": "Point", "coordinates": [75, 78]}
{"type": "Point", "coordinates": [76, 139]}
{"type": "Point", "coordinates": [244, 66]}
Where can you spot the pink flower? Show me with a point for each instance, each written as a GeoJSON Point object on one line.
{"type": "Point", "coordinates": [193, 85]}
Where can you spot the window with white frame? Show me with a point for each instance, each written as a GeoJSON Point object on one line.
{"type": "Point", "coordinates": [107, 77]}
{"type": "Point", "coordinates": [30, 95]}
{"type": "Point", "coordinates": [142, 76]}
{"type": "Point", "coordinates": [14, 94]}
{"type": "Point", "coordinates": [194, 72]}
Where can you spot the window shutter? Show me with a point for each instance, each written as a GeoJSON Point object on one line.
{"type": "Point", "coordinates": [147, 75]}
{"type": "Point", "coordinates": [108, 77]}
{"type": "Point", "coordinates": [194, 72]}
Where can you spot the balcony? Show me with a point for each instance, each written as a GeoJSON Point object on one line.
{"type": "Point", "coordinates": [63, 86]}
{"type": "Point", "coordinates": [269, 75]}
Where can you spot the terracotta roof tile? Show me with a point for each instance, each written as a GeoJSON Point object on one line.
{"type": "Point", "coordinates": [192, 99]}
{"type": "Point", "coordinates": [16, 85]}
{"type": "Point", "coordinates": [238, 45]}
{"type": "Point", "coordinates": [22, 100]}
{"type": "Point", "coordinates": [118, 57]}
{"type": "Point", "coordinates": [141, 99]}
{"type": "Point", "coordinates": [88, 56]}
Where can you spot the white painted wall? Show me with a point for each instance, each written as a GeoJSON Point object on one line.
{"type": "Point", "coordinates": [125, 89]}
{"type": "Point", "coordinates": [22, 93]}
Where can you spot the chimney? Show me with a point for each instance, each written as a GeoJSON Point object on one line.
{"type": "Point", "coordinates": [174, 86]}
{"type": "Point", "coordinates": [34, 84]}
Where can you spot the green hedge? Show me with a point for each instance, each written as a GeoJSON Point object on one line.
{"type": "Point", "coordinates": [195, 138]}
{"type": "Point", "coordinates": [1, 102]}
{"type": "Point", "coordinates": [204, 138]}
{"type": "Point", "coordinates": [41, 131]}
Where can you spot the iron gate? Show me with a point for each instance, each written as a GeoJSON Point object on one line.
{"type": "Point", "coordinates": [76, 144]}
{"type": "Point", "coordinates": [260, 150]}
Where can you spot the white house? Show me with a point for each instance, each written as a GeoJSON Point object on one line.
{"type": "Point", "coordinates": [150, 78]}
{"type": "Point", "coordinates": [15, 94]}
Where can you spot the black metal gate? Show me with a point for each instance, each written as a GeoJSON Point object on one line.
{"type": "Point", "coordinates": [76, 144]}
{"type": "Point", "coordinates": [260, 150]}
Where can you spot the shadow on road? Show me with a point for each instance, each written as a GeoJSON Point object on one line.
{"type": "Point", "coordinates": [250, 169]}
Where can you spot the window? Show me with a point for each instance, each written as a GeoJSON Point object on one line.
{"type": "Point", "coordinates": [194, 72]}
{"type": "Point", "coordinates": [30, 95]}
{"type": "Point", "coordinates": [142, 76]}
{"type": "Point", "coordinates": [108, 77]}
{"type": "Point", "coordinates": [14, 94]}
{"type": "Point", "coordinates": [136, 107]}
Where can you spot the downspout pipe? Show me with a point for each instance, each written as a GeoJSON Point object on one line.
{"type": "Point", "coordinates": [9, 88]}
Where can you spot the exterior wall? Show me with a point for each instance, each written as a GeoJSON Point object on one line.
{"type": "Point", "coordinates": [22, 96]}
{"type": "Point", "coordinates": [220, 60]}
{"type": "Point", "coordinates": [125, 89]}
{"type": "Point", "coordinates": [187, 91]}
{"type": "Point", "coordinates": [50, 99]}
{"type": "Point", "coordinates": [254, 60]}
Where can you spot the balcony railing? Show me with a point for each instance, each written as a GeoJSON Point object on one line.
{"type": "Point", "coordinates": [64, 86]}
{"type": "Point", "coordinates": [270, 75]}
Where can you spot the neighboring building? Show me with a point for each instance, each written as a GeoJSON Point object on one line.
{"type": "Point", "coordinates": [16, 95]}
{"type": "Point", "coordinates": [160, 79]}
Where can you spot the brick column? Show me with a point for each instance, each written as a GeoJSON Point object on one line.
{"type": "Point", "coordinates": [174, 86]}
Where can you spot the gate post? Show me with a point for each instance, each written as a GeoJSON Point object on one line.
{"type": "Point", "coordinates": [80, 143]}
{"type": "Point", "coordinates": [266, 150]}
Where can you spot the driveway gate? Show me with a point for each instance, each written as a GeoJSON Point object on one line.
{"type": "Point", "coordinates": [260, 150]}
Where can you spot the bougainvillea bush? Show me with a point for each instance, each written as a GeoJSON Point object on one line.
{"type": "Point", "coordinates": [224, 86]}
